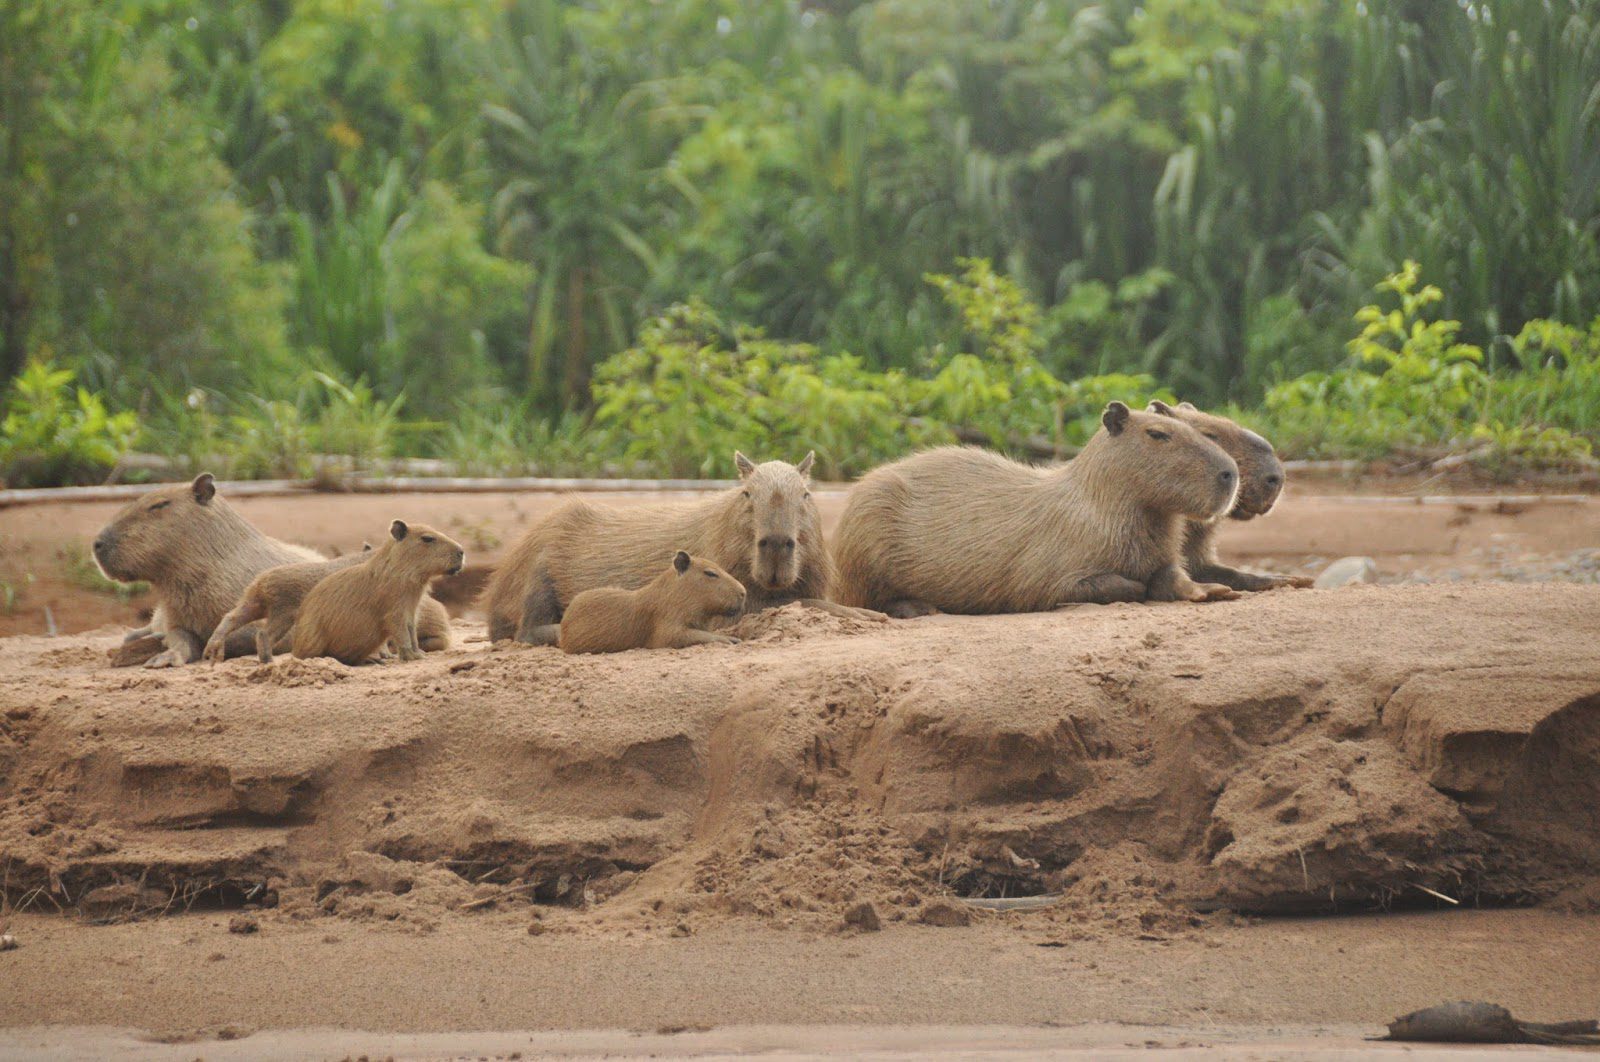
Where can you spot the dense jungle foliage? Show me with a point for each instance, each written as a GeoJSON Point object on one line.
{"type": "Point", "coordinates": [623, 235]}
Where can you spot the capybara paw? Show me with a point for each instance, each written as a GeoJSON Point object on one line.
{"type": "Point", "coordinates": [1212, 592]}
{"type": "Point", "coordinates": [165, 658]}
{"type": "Point", "coordinates": [407, 654]}
{"type": "Point", "coordinates": [214, 652]}
{"type": "Point", "coordinates": [1292, 582]}
{"type": "Point", "coordinates": [871, 615]}
{"type": "Point", "coordinates": [909, 609]}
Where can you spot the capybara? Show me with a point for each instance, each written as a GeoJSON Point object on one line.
{"type": "Point", "coordinates": [273, 598]}
{"type": "Point", "coordinates": [197, 553]}
{"type": "Point", "coordinates": [669, 612]}
{"type": "Point", "coordinates": [765, 532]}
{"type": "Point", "coordinates": [353, 613]}
{"type": "Point", "coordinates": [1260, 485]}
{"type": "Point", "coordinates": [200, 555]}
{"type": "Point", "coordinates": [965, 530]}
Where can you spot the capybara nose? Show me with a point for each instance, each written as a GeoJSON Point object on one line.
{"type": "Point", "coordinates": [777, 542]}
{"type": "Point", "coordinates": [101, 544]}
{"type": "Point", "coordinates": [1273, 481]}
{"type": "Point", "coordinates": [1226, 477]}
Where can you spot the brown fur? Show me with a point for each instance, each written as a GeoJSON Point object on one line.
{"type": "Point", "coordinates": [272, 602]}
{"type": "Point", "coordinates": [351, 614]}
{"type": "Point", "coordinates": [197, 553]}
{"type": "Point", "coordinates": [964, 530]}
{"type": "Point", "coordinates": [1261, 483]}
{"type": "Point", "coordinates": [766, 533]}
{"type": "Point", "coordinates": [669, 612]}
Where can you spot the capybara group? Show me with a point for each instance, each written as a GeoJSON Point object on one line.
{"type": "Point", "coordinates": [964, 530]}
{"type": "Point", "coordinates": [765, 532]}
{"type": "Point", "coordinates": [1133, 517]}
{"type": "Point", "coordinates": [669, 612]}
{"type": "Point", "coordinates": [197, 553]}
{"type": "Point", "coordinates": [352, 614]}
{"type": "Point", "coordinates": [1260, 485]}
{"type": "Point", "coordinates": [200, 556]}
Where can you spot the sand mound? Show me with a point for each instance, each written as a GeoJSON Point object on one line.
{"type": "Point", "coordinates": [1286, 751]}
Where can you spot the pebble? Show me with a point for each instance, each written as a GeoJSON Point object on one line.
{"type": "Point", "coordinates": [1347, 571]}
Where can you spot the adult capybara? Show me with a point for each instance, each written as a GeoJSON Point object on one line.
{"type": "Point", "coordinates": [669, 612]}
{"type": "Point", "coordinates": [1260, 486]}
{"type": "Point", "coordinates": [353, 613]}
{"type": "Point", "coordinates": [272, 603]}
{"type": "Point", "coordinates": [964, 530]}
{"type": "Point", "coordinates": [200, 555]}
{"type": "Point", "coordinates": [765, 532]}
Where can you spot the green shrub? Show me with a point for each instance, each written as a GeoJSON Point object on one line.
{"type": "Point", "coordinates": [55, 433]}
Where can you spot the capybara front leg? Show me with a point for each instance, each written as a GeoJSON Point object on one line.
{"type": "Point", "coordinates": [541, 613]}
{"type": "Point", "coordinates": [139, 632]}
{"type": "Point", "coordinates": [1251, 582]}
{"type": "Point", "coordinates": [183, 647]}
{"type": "Point", "coordinates": [846, 611]}
{"type": "Point", "coordinates": [909, 608]}
{"type": "Point", "coordinates": [1104, 588]}
{"type": "Point", "coordinates": [1172, 583]}
{"type": "Point", "coordinates": [408, 649]}
{"type": "Point", "coordinates": [246, 611]}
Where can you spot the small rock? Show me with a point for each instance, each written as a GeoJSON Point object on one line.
{"type": "Point", "coordinates": [535, 928]}
{"type": "Point", "coordinates": [7, 942]}
{"type": "Point", "coordinates": [1347, 571]}
{"type": "Point", "coordinates": [864, 916]}
{"type": "Point", "coordinates": [946, 914]}
{"type": "Point", "coordinates": [244, 924]}
{"type": "Point", "coordinates": [681, 930]}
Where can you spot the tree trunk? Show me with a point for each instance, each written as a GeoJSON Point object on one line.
{"type": "Point", "coordinates": [575, 384]}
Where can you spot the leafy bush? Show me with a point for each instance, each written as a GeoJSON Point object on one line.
{"type": "Point", "coordinates": [1410, 384]}
{"type": "Point", "coordinates": [55, 433]}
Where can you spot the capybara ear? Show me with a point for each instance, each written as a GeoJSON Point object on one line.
{"type": "Point", "coordinates": [398, 529]}
{"type": "Point", "coordinates": [804, 466]}
{"type": "Point", "coordinates": [743, 464]}
{"type": "Point", "coordinates": [204, 487]}
{"type": "Point", "coordinates": [1158, 406]}
{"type": "Point", "coordinates": [1188, 406]}
{"type": "Point", "coordinates": [680, 561]}
{"type": "Point", "coordinates": [1115, 418]}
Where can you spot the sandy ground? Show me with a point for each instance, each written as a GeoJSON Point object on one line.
{"type": "Point", "coordinates": [480, 853]}
{"type": "Point", "coordinates": [1002, 986]}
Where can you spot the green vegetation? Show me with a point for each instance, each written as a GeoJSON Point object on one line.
{"type": "Point", "coordinates": [551, 236]}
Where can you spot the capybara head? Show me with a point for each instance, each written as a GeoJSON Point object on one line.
{"type": "Point", "coordinates": [704, 588]}
{"type": "Point", "coordinates": [1162, 463]}
{"type": "Point", "coordinates": [783, 518]}
{"type": "Point", "coordinates": [167, 525]}
{"type": "Point", "coordinates": [1260, 471]}
{"type": "Point", "coordinates": [422, 548]}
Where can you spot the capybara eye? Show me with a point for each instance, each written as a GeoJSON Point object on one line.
{"type": "Point", "coordinates": [1160, 435]}
{"type": "Point", "coordinates": [745, 493]}
{"type": "Point", "coordinates": [429, 539]}
{"type": "Point", "coordinates": [710, 574]}
{"type": "Point", "coordinates": [161, 504]}
{"type": "Point", "coordinates": [1210, 435]}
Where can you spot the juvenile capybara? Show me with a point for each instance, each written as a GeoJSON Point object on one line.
{"type": "Point", "coordinates": [765, 532]}
{"type": "Point", "coordinates": [272, 602]}
{"type": "Point", "coordinates": [353, 613]}
{"type": "Point", "coordinates": [200, 555]}
{"type": "Point", "coordinates": [669, 612]}
{"type": "Point", "coordinates": [965, 530]}
{"type": "Point", "coordinates": [1260, 485]}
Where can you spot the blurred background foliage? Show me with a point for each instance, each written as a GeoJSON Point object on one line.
{"type": "Point", "coordinates": [534, 235]}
